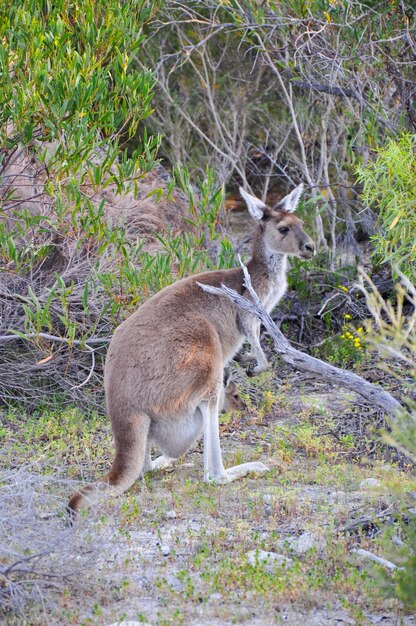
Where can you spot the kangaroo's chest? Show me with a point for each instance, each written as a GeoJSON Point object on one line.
{"type": "Point", "coordinates": [271, 293]}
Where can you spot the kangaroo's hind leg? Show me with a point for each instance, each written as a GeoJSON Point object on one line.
{"type": "Point", "coordinates": [131, 436]}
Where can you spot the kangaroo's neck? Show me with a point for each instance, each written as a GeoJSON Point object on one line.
{"type": "Point", "coordinates": [267, 271]}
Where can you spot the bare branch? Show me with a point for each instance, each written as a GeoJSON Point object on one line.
{"type": "Point", "coordinates": [75, 342]}
{"type": "Point", "coordinates": [375, 558]}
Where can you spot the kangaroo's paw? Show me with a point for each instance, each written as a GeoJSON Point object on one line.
{"type": "Point", "coordinates": [247, 357]}
{"type": "Point", "coordinates": [262, 367]}
{"type": "Point", "coordinates": [238, 471]}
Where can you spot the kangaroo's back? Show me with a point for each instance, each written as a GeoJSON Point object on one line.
{"type": "Point", "coordinates": [173, 336]}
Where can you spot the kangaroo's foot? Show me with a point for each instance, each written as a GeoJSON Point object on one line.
{"type": "Point", "coordinates": [162, 462]}
{"type": "Point", "coordinates": [238, 471]}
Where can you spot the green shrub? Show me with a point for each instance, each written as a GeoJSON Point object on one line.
{"type": "Point", "coordinates": [67, 75]}
{"type": "Point", "coordinates": [389, 183]}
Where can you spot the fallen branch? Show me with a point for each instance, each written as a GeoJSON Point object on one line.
{"type": "Point", "coordinates": [376, 559]}
{"type": "Point", "coordinates": [324, 371]}
{"type": "Point", "coordinates": [369, 522]}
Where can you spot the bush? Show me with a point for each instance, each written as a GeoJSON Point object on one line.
{"type": "Point", "coordinates": [77, 242]}
{"type": "Point", "coordinates": [389, 183]}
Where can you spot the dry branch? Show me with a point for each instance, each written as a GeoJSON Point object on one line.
{"type": "Point", "coordinates": [324, 371]}
{"type": "Point", "coordinates": [377, 559]}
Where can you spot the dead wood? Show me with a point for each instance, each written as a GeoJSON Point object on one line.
{"type": "Point", "coordinates": [377, 559]}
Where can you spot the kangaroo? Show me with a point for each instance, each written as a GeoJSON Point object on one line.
{"type": "Point", "coordinates": [231, 400]}
{"type": "Point", "coordinates": [164, 369]}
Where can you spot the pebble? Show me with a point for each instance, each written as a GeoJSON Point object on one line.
{"type": "Point", "coordinates": [216, 597]}
{"type": "Point", "coordinates": [171, 514]}
{"type": "Point", "coordinates": [165, 549]}
{"type": "Point", "coordinates": [303, 543]}
{"type": "Point", "coordinates": [370, 482]}
{"type": "Point", "coordinates": [261, 556]}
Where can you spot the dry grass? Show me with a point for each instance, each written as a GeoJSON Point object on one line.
{"type": "Point", "coordinates": [24, 183]}
{"type": "Point", "coordinates": [41, 557]}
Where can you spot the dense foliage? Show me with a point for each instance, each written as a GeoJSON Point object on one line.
{"type": "Point", "coordinates": [389, 183]}
{"type": "Point", "coordinates": [67, 77]}
{"type": "Point", "coordinates": [273, 93]}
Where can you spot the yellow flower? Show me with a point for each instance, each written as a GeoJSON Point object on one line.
{"type": "Point", "coordinates": [347, 316]}
{"type": "Point", "coordinates": [360, 330]}
{"type": "Point", "coordinates": [344, 288]}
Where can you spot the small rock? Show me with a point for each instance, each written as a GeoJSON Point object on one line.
{"type": "Point", "coordinates": [370, 482]}
{"type": "Point", "coordinates": [171, 514]}
{"type": "Point", "coordinates": [165, 549]}
{"type": "Point", "coordinates": [303, 543]}
{"type": "Point", "coordinates": [216, 597]}
{"type": "Point", "coordinates": [306, 541]}
{"type": "Point", "coordinates": [267, 499]}
{"type": "Point", "coordinates": [261, 556]}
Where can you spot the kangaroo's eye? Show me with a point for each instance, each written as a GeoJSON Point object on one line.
{"type": "Point", "coordinates": [283, 230]}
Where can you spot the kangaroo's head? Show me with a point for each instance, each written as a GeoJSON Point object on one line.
{"type": "Point", "coordinates": [282, 231]}
{"type": "Point", "coordinates": [231, 399]}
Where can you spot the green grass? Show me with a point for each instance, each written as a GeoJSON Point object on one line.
{"type": "Point", "coordinates": [77, 442]}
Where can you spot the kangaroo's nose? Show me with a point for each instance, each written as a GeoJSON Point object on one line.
{"type": "Point", "coordinates": [310, 247]}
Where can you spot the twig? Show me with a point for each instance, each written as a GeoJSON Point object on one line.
{"type": "Point", "coordinates": [91, 369]}
{"type": "Point", "coordinates": [86, 344]}
{"type": "Point", "coordinates": [76, 342]}
{"type": "Point", "coordinates": [323, 307]}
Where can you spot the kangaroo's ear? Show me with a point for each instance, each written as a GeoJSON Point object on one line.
{"type": "Point", "coordinates": [228, 377]}
{"type": "Point", "coordinates": [255, 206]}
{"type": "Point", "coordinates": [290, 202]}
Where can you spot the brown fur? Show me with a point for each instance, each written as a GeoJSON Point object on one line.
{"type": "Point", "coordinates": [167, 359]}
